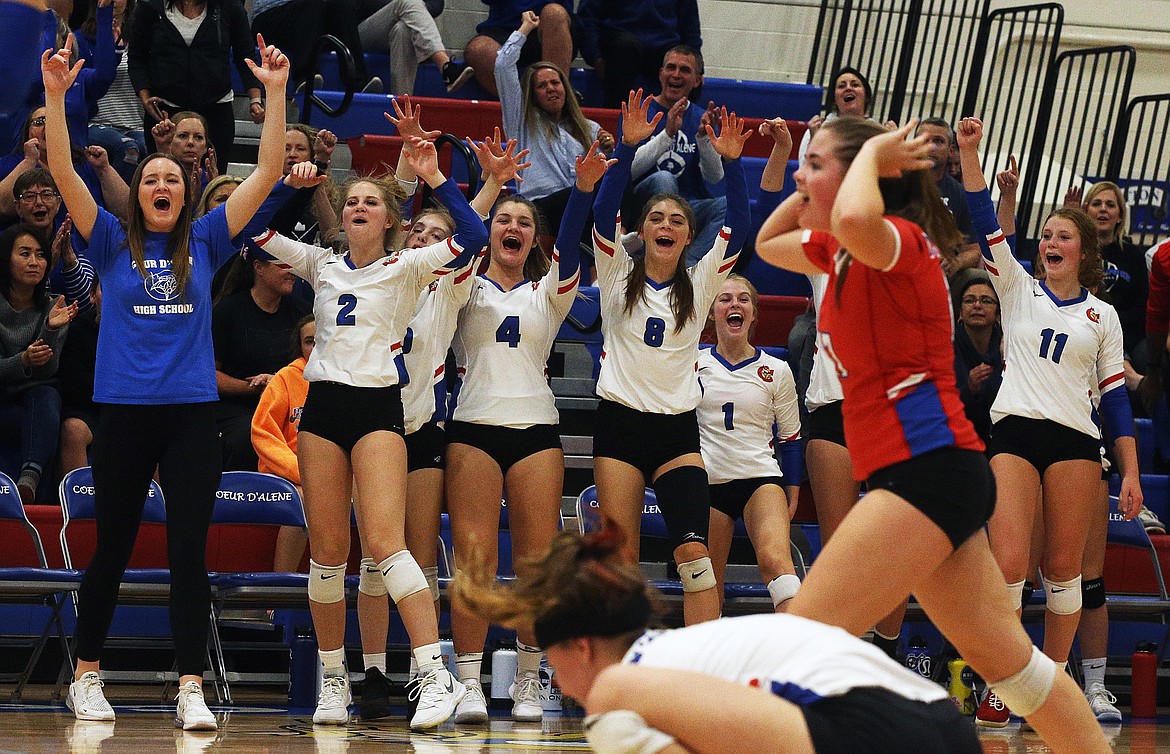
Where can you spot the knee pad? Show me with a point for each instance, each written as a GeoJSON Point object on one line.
{"type": "Point", "coordinates": [370, 579]}
{"type": "Point", "coordinates": [1064, 597]}
{"type": "Point", "coordinates": [783, 588]}
{"type": "Point", "coordinates": [1016, 590]}
{"type": "Point", "coordinates": [697, 575]}
{"type": "Point", "coordinates": [685, 501]}
{"type": "Point", "coordinates": [326, 583]}
{"type": "Point", "coordinates": [624, 732]}
{"type": "Point", "coordinates": [1093, 593]}
{"type": "Point", "coordinates": [1026, 691]}
{"type": "Point", "coordinates": [402, 575]}
{"type": "Point", "coordinates": [431, 574]}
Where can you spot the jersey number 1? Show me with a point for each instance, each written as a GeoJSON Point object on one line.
{"type": "Point", "coordinates": [1047, 337]}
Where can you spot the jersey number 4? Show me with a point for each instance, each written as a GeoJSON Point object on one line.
{"type": "Point", "coordinates": [509, 331]}
{"type": "Point", "coordinates": [347, 302]}
{"type": "Point", "coordinates": [1049, 337]}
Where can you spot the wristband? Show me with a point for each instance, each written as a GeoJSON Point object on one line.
{"type": "Point", "coordinates": [257, 101]}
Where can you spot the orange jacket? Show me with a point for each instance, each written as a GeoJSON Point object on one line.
{"type": "Point", "coordinates": [274, 425]}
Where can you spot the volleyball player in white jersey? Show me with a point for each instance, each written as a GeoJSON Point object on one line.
{"type": "Point", "coordinates": [747, 393]}
{"type": "Point", "coordinates": [424, 397]}
{"type": "Point", "coordinates": [757, 683]}
{"type": "Point", "coordinates": [503, 436]}
{"type": "Point", "coordinates": [1061, 343]}
{"type": "Point", "coordinates": [352, 424]}
{"type": "Point", "coordinates": [652, 315]}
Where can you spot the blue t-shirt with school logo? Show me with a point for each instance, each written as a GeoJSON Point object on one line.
{"type": "Point", "coordinates": [154, 345]}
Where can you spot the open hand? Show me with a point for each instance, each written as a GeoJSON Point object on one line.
{"type": "Point", "coordinates": [732, 136]}
{"type": "Point", "coordinates": [635, 127]}
{"type": "Point", "coordinates": [62, 243]}
{"type": "Point", "coordinates": [36, 355]}
{"type": "Point", "coordinates": [60, 315]}
{"type": "Point", "coordinates": [674, 117]}
{"type": "Point", "coordinates": [423, 159]}
{"type": "Point", "coordinates": [498, 160]}
{"type": "Point", "coordinates": [405, 119]}
{"type": "Point", "coordinates": [1074, 196]}
{"type": "Point", "coordinates": [591, 166]}
{"type": "Point", "coordinates": [895, 155]}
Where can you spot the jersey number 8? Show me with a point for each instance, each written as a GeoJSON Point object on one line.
{"type": "Point", "coordinates": [655, 332]}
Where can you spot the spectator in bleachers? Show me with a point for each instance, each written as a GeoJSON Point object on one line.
{"type": "Point", "coordinates": [1064, 346]}
{"type": "Point", "coordinates": [406, 30]}
{"type": "Point", "coordinates": [186, 139]}
{"type": "Point", "coordinates": [295, 26]}
{"type": "Point", "coordinates": [679, 158]}
{"type": "Point", "coordinates": [625, 40]}
{"type": "Point", "coordinates": [503, 437]}
{"type": "Point", "coordinates": [554, 43]}
{"type": "Point", "coordinates": [180, 54]}
{"type": "Point", "coordinates": [851, 95]}
{"type": "Point", "coordinates": [91, 163]}
{"type": "Point", "coordinates": [250, 323]}
{"type": "Point", "coordinates": [979, 352]}
{"type": "Point", "coordinates": [749, 403]}
{"type": "Point", "coordinates": [1126, 276]}
{"type": "Point", "coordinates": [39, 205]}
{"type": "Point", "coordinates": [544, 117]}
{"type": "Point", "coordinates": [33, 326]}
{"type": "Point", "coordinates": [653, 310]}
{"type": "Point", "coordinates": [216, 193]}
{"type": "Point", "coordinates": [21, 23]}
{"type": "Point", "coordinates": [274, 435]}
{"type": "Point", "coordinates": [79, 413]}
{"type": "Point", "coordinates": [308, 216]}
{"type": "Point", "coordinates": [117, 123]}
{"type": "Point", "coordinates": [962, 263]}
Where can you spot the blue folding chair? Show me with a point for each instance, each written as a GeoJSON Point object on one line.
{"type": "Point", "coordinates": [33, 584]}
{"type": "Point", "coordinates": [1132, 534]}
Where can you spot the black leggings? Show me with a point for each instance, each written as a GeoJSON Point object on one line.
{"type": "Point", "coordinates": [182, 441]}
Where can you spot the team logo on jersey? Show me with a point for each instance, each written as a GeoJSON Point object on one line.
{"type": "Point", "coordinates": [390, 261]}
{"type": "Point", "coordinates": [295, 418]}
{"type": "Point", "coordinates": [1093, 315]}
{"type": "Point", "coordinates": [434, 286]}
{"type": "Point", "coordinates": [765, 374]}
{"type": "Point", "coordinates": [162, 285]}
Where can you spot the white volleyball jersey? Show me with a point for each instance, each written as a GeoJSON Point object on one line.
{"type": "Point", "coordinates": [797, 659]}
{"type": "Point", "coordinates": [1056, 352]}
{"type": "Point", "coordinates": [424, 347]}
{"type": "Point", "coordinates": [502, 345]}
{"type": "Point", "coordinates": [824, 386]}
{"type": "Point", "coordinates": [645, 364]}
{"type": "Point", "coordinates": [361, 312]}
{"type": "Point", "coordinates": [741, 403]}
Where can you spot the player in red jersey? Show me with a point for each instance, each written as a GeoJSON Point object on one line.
{"type": "Point", "coordinates": [864, 201]}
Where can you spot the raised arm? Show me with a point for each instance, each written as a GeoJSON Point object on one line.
{"type": "Point", "coordinates": [857, 218]}
{"type": "Point", "coordinates": [470, 233]}
{"type": "Point", "coordinates": [1008, 182]}
{"type": "Point", "coordinates": [58, 77]}
{"type": "Point", "coordinates": [590, 167]}
{"type": "Point", "coordinates": [729, 145]}
{"type": "Point", "coordinates": [115, 192]}
{"type": "Point", "coordinates": [635, 128]}
{"type": "Point", "coordinates": [246, 199]}
{"type": "Point", "coordinates": [508, 76]}
{"type": "Point", "coordinates": [498, 164]}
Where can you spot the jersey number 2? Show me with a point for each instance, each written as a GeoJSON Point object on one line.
{"type": "Point", "coordinates": [1047, 337]}
{"type": "Point", "coordinates": [509, 331]}
{"type": "Point", "coordinates": [347, 302]}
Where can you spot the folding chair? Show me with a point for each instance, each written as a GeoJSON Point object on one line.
{"type": "Point", "coordinates": [33, 583]}
{"type": "Point", "coordinates": [1136, 606]}
{"type": "Point", "coordinates": [148, 586]}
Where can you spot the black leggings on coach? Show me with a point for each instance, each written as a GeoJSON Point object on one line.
{"type": "Point", "coordinates": [181, 440]}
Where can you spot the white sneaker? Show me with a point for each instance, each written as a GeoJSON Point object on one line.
{"type": "Point", "coordinates": [525, 692]}
{"type": "Point", "coordinates": [438, 695]}
{"type": "Point", "coordinates": [1149, 521]}
{"type": "Point", "coordinates": [333, 706]}
{"type": "Point", "coordinates": [1102, 703]}
{"type": "Point", "coordinates": [87, 700]}
{"type": "Point", "coordinates": [473, 708]}
{"type": "Point", "coordinates": [191, 712]}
